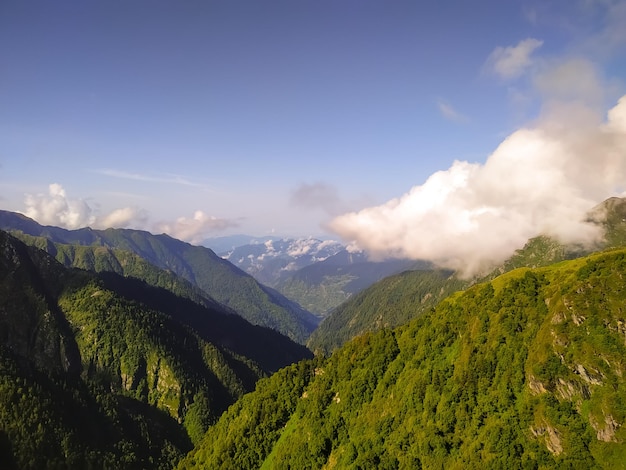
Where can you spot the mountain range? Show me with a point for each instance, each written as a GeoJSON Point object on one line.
{"type": "Point", "coordinates": [217, 278]}
{"type": "Point", "coordinates": [398, 298]}
{"type": "Point", "coordinates": [273, 260]}
{"type": "Point", "coordinates": [108, 360]}
{"type": "Point", "coordinates": [317, 274]}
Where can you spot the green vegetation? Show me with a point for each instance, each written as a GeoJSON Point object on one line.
{"type": "Point", "coordinates": [125, 263]}
{"type": "Point", "coordinates": [216, 278]}
{"type": "Point", "coordinates": [387, 304]}
{"type": "Point", "coordinates": [320, 298]}
{"type": "Point", "coordinates": [323, 286]}
{"type": "Point", "coordinates": [526, 371]}
{"type": "Point", "coordinates": [102, 371]}
{"type": "Point", "coordinates": [114, 370]}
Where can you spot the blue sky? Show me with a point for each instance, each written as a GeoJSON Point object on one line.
{"type": "Point", "coordinates": [204, 118]}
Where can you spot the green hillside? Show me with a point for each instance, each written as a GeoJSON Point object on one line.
{"type": "Point", "coordinates": [102, 371]}
{"type": "Point", "coordinates": [102, 259]}
{"type": "Point", "coordinates": [525, 371]}
{"type": "Point", "coordinates": [387, 304]}
{"type": "Point", "coordinates": [218, 278]}
{"type": "Point", "coordinates": [610, 215]}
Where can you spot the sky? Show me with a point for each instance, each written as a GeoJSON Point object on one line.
{"type": "Point", "coordinates": [450, 130]}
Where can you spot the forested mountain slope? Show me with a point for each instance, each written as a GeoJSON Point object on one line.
{"type": "Point", "coordinates": [102, 259]}
{"type": "Point", "coordinates": [609, 215]}
{"type": "Point", "coordinates": [387, 304]}
{"type": "Point", "coordinates": [101, 371]}
{"type": "Point", "coordinates": [218, 278]}
{"type": "Point", "coordinates": [525, 371]}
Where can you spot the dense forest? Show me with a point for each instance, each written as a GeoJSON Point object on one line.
{"type": "Point", "coordinates": [388, 303]}
{"type": "Point", "coordinates": [526, 371]}
{"type": "Point", "coordinates": [102, 371]}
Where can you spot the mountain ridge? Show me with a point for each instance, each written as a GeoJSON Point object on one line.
{"type": "Point", "coordinates": [318, 274]}
{"type": "Point", "coordinates": [220, 279]}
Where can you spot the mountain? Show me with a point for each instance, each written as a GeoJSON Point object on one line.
{"type": "Point", "coordinates": [318, 275]}
{"type": "Point", "coordinates": [218, 278]}
{"type": "Point", "coordinates": [386, 304]}
{"type": "Point", "coordinates": [103, 371]}
{"type": "Point", "coordinates": [230, 242]}
{"type": "Point", "coordinates": [524, 371]}
{"type": "Point", "coordinates": [609, 215]}
{"type": "Point", "coordinates": [125, 263]}
{"type": "Point", "coordinates": [273, 260]}
{"type": "Point", "coordinates": [322, 286]}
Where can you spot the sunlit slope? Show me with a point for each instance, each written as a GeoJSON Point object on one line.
{"type": "Point", "coordinates": [526, 371]}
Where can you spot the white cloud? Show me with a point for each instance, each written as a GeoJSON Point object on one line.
{"type": "Point", "coordinates": [169, 179]}
{"type": "Point", "coordinates": [511, 62]}
{"type": "Point", "coordinates": [121, 218]}
{"type": "Point", "coordinates": [329, 243]}
{"type": "Point", "coordinates": [55, 208]}
{"type": "Point", "coordinates": [194, 229]}
{"type": "Point", "coordinates": [301, 247]}
{"type": "Point", "coordinates": [540, 180]}
{"type": "Point", "coordinates": [571, 79]}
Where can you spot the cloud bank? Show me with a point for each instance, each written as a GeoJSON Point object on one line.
{"type": "Point", "coordinates": [541, 179]}
{"type": "Point", "coordinates": [56, 208]}
{"type": "Point", "coordinates": [194, 229]}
